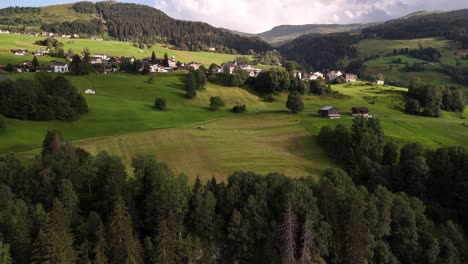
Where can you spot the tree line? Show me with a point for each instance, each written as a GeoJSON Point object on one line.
{"type": "Point", "coordinates": [437, 177]}
{"type": "Point", "coordinates": [84, 7]}
{"type": "Point", "coordinates": [433, 99]}
{"type": "Point", "coordinates": [44, 98]}
{"type": "Point", "coordinates": [423, 53]}
{"type": "Point", "coordinates": [71, 207]}
{"type": "Point", "coordinates": [90, 28]}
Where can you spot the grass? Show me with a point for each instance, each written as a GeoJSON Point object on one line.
{"type": "Point", "coordinates": [110, 48]}
{"type": "Point", "coordinates": [262, 143]}
{"type": "Point", "coordinates": [196, 141]}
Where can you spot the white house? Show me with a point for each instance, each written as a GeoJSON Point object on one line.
{"type": "Point", "coordinates": [59, 67]}
{"type": "Point", "coordinates": [253, 72]}
{"type": "Point", "coordinates": [20, 52]}
{"type": "Point", "coordinates": [157, 68]}
{"type": "Point", "coordinates": [298, 74]}
{"type": "Point", "coordinates": [333, 75]}
{"type": "Point", "coordinates": [229, 67]}
{"type": "Point", "coordinates": [102, 56]}
{"type": "Point", "coordinates": [89, 91]}
{"type": "Point", "coordinates": [4, 32]}
{"type": "Point", "coordinates": [316, 76]}
{"type": "Point", "coordinates": [380, 82]}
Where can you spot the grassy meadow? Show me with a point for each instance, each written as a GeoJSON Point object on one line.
{"type": "Point", "coordinates": [110, 48]}
{"type": "Point", "coordinates": [196, 141]}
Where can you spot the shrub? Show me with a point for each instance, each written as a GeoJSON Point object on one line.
{"type": "Point", "coordinates": [216, 103]}
{"type": "Point", "coordinates": [412, 106]}
{"type": "Point", "coordinates": [160, 104]}
{"type": "Point", "coordinates": [294, 102]}
{"type": "Point", "coordinates": [239, 109]}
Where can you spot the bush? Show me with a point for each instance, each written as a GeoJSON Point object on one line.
{"type": "Point", "coordinates": [412, 106]}
{"type": "Point", "coordinates": [160, 104]}
{"type": "Point", "coordinates": [294, 102]}
{"type": "Point", "coordinates": [216, 103]}
{"type": "Point", "coordinates": [239, 109]}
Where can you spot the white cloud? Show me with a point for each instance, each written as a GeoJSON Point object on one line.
{"type": "Point", "coordinates": [261, 15]}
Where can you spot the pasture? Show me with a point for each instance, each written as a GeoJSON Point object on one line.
{"type": "Point", "coordinates": [110, 48]}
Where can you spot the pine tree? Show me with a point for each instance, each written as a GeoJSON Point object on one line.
{"type": "Point", "coordinates": [124, 246]}
{"type": "Point", "coordinates": [191, 86]}
{"type": "Point", "coordinates": [35, 62]}
{"type": "Point", "coordinates": [288, 235]}
{"type": "Point", "coordinates": [153, 57]}
{"type": "Point", "coordinates": [166, 60]}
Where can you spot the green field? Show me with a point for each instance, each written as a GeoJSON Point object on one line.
{"type": "Point", "coordinates": [265, 139]}
{"type": "Point", "coordinates": [450, 50]}
{"type": "Point", "coordinates": [110, 48]}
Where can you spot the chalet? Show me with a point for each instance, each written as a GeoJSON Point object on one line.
{"type": "Point", "coordinates": [334, 74]}
{"type": "Point", "coordinates": [216, 69]}
{"type": "Point", "coordinates": [360, 111]}
{"type": "Point", "coordinates": [193, 66]}
{"type": "Point", "coordinates": [297, 74]}
{"type": "Point", "coordinates": [172, 63]}
{"type": "Point", "coordinates": [329, 112]}
{"type": "Point", "coordinates": [229, 67]}
{"type": "Point", "coordinates": [253, 72]}
{"type": "Point", "coordinates": [380, 82]}
{"type": "Point", "coordinates": [314, 76]}
{"type": "Point", "coordinates": [89, 91]}
{"type": "Point", "coordinates": [103, 68]}
{"type": "Point", "coordinates": [351, 77]}
{"type": "Point", "coordinates": [40, 52]}
{"type": "Point", "coordinates": [102, 56]}
{"type": "Point", "coordinates": [95, 60]}
{"type": "Point", "coordinates": [59, 67]}
{"type": "Point", "coordinates": [4, 32]}
{"type": "Point", "coordinates": [113, 60]}
{"type": "Point", "coordinates": [157, 68]}
{"type": "Point", "coordinates": [20, 52]}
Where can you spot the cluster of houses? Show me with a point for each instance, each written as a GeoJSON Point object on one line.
{"type": "Point", "coordinates": [230, 67]}
{"type": "Point", "coordinates": [331, 112]}
{"type": "Point", "coordinates": [331, 76]}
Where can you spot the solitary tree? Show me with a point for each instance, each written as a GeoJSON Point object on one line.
{"type": "Point", "coordinates": [166, 60]}
{"type": "Point", "coordinates": [160, 104]}
{"type": "Point", "coordinates": [294, 102]}
{"type": "Point", "coordinates": [191, 86]}
{"type": "Point", "coordinates": [153, 57]}
{"type": "Point", "coordinates": [35, 62]}
{"type": "Point", "coordinates": [216, 103]}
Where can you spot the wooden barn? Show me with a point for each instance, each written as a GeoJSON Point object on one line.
{"type": "Point", "coordinates": [360, 111]}
{"type": "Point", "coordinates": [329, 112]}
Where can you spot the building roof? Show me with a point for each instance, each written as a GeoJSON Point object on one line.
{"type": "Point", "coordinates": [365, 109]}
{"type": "Point", "coordinates": [58, 63]}
{"type": "Point", "coordinates": [326, 108]}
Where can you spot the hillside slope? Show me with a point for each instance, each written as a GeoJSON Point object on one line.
{"type": "Point", "coordinates": [128, 22]}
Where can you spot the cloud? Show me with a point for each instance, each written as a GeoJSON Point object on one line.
{"type": "Point", "coordinates": [261, 15]}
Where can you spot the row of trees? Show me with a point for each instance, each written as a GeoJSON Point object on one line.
{"type": "Point", "coordinates": [90, 28]}
{"type": "Point", "coordinates": [437, 177]}
{"type": "Point", "coordinates": [433, 99]}
{"type": "Point", "coordinates": [279, 80]}
{"type": "Point", "coordinates": [195, 80]}
{"type": "Point", "coordinates": [423, 53]}
{"type": "Point", "coordinates": [71, 207]}
{"type": "Point", "coordinates": [84, 7]}
{"type": "Point", "coordinates": [44, 98]}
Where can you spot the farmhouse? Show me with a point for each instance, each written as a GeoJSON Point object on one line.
{"type": "Point", "coordinates": [351, 77]}
{"type": "Point", "coordinates": [172, 63]}
{"type": "Point", "coordinates": [333, 75]}
{"type": "Point", "coordinates": [59, 67]}
{"type": "Point", "coordinates": [380, 82]}
{"type": "Point", "coordinates": [89, 91]}
{"type": "Point", "coordinates": [157, 68]}
{"type": "Point", "coordinates": [360, 111]}
{"type": "Point", "coordinates": [329, 112]}
{"type": "Point", "coordinates": [20, 52]}
{"type": "Point", "coordinates": [193, 66]}
{"type": "Point", "coordinates": [103, 68]}
{"type": "Point", "coordinates": [229, 67]}
{"type": "Point", "coordinates": [253, 72]}
{"type": "Point", "coordinates": [314, 76]}
{"type": "Point", "coordinates": [40, 52]}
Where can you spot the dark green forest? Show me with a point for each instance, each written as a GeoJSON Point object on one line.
{"type": "Point", "coordinates": [71, 207]}
{"type": "Point", "coordinates": [44, 98]}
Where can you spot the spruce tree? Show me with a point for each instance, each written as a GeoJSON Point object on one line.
{"type": "Point", "coordinates": [191, 86]}
{"type": "Point", "coordinates": [153, 57]}
{"type": "Point", "coordinates": [124, 246]}
{"type": "Point", "coordinates": [35, 62]}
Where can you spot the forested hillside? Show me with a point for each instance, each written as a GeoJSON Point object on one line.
{"type": "Point", "coordinates": [71, 207]}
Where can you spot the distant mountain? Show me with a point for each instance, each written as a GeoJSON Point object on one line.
{"type": "Point", "coordinates": [281, 34]}
{"type": "Point", "coordinates": [128, 22]}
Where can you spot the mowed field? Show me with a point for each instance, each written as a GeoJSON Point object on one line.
{"type": "Point", "coordinates": [196, 141]}
{"type": "Point", "coordinates": [110, 48]}
{"type": "Point", "coordinates": [262, 143]}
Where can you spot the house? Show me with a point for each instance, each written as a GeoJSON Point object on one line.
{"type": "Point", "coordinates": [297, 74]}
{"type": "Point", "coordinates": [102, 56]}
{"type": "Point", "coordinates": [193, 66]}
{"type": "Point", "coordinates": [76, 36]}
{"type": "Point", "coordinates": [360, 111]}
{"type": "Point", "coordinates": [216, 69]}
{"type": "Point", "coordinates": [113, 60]}
{"type": "Point", "coordinates": [212, 49]}
{"type": "Point", "coordinates": [253, 72]}
{"type": "Point", "coordinates": [20, 52]}
{"type": "Point", "coordinates": [380, 82]}
{"type": "Point", "coordinates": [229, 67]}
{"type": "Point", "coordinates": [40, 52]}
{"type": "Point", "coordinates": [89, 91]}
{"type": "Point", "coordinates": [59, 67]}
{"type": "Point", "coordinates": [329, 112]}
{"type": "Point", "coordinates": [157, 68]}
{"type": "Point", "coordinates": [314, 76]}
{"type": "Point", "coordinates": [333, 75]}
{"type": "Point", "coordinates": [351, 77]}
{"type": "Point", "coordinates": [95, 60]}
{"type": "Point", "coordinates": [103, 68]}
{"type": "Point", "coordinates": [4, 32]}
{"type": "Point", "coordinates": [172, 63]}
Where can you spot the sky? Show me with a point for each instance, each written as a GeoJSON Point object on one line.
{"type": "Point", "coordinates": [255, 16]}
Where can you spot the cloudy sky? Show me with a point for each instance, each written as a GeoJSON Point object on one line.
{"type": "Point", "coordinates": [255, 16]}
